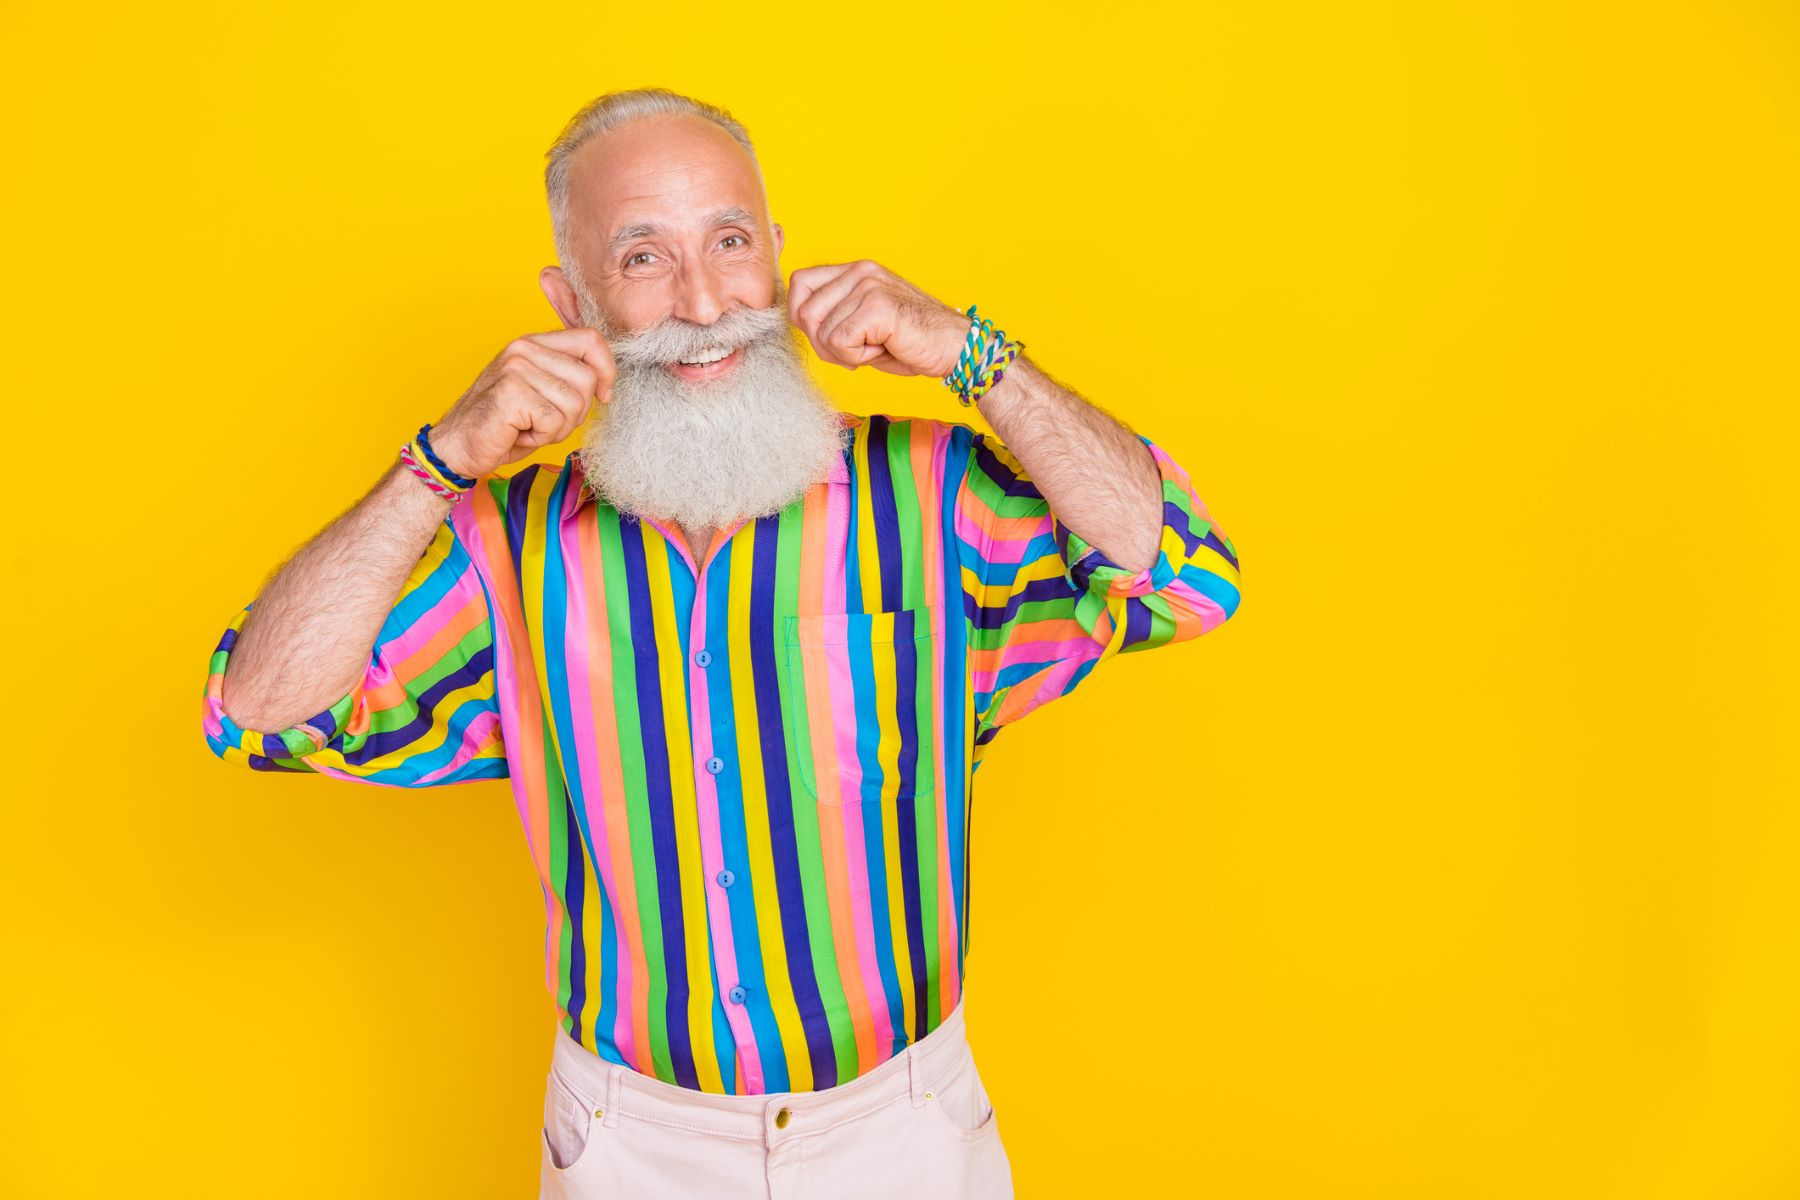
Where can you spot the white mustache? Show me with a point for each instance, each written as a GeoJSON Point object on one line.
{"type": "Point", "coordinates": [672, 339]}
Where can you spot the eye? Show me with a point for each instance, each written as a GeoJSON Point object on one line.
{"type": "Point", "coordinates": [633, 260]}
{"type": "Point", "coordinates": [734, 237]}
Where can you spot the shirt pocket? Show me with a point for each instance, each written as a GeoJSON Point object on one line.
{"type": "Point", "coordinates": [862, 700]}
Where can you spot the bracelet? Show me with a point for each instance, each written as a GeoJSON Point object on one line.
{"type": "Point", "coordinates": [428, 473]}
{"type": "Point", "coordinates": [431, 456]}
{"type": "Point", "coordinates": [985, 356]}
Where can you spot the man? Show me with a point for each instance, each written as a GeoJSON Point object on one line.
{"type": "Point", "coordinates": [739, 657]}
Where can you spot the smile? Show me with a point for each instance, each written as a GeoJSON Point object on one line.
{"type": "Point", "coordinates": [709, 365]}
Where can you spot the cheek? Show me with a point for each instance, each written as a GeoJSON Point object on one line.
{"type": "Point", "coordinates": [753, 284]}
{"type": "Point", "coordinates": [636, 304]}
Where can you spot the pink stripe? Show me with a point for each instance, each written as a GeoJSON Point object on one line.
{"type": "Point", "coordinates": [843, 699]}
{"type": "Point", "coordinates": [477, 735]}
{"type": "Point", "coordinates": [856, 863]}
{"type": "Point", "coordinates": [929, 479]}
{"type": "Point", "coordinates": [581, 717]}
{"type": "Point", "coordinates": [434, 618]}
{"type": "Point", "coordinates": [712, 853]}
{"type": "Point", "coordinates": [466, 517]}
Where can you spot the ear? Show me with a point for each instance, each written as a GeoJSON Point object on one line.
{"type": "Point", "coordinates": [561, 295]}
{"type": "Point", "coordinates": [778, 241]}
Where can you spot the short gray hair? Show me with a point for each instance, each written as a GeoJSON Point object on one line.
{"type": "Point", "coordinates": [606, 113]}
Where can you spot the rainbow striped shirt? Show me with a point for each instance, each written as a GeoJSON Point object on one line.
{"type": "Point", "coordinates": [746, 783]}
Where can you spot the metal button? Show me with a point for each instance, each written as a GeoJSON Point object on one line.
{"type": "Point", "coordinates": [725, 878]}
{"type": "Point", "coordinates": [737, 994]}
{"type": "Point", "coordinates": [782, 1118]}
{"type": "Point", "coordinates": [703, 658]}
{"type": "Point", "coordinates": [715, 764]}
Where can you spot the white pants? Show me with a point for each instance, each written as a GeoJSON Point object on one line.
{"type": "Point", "coordinates": [920, 1124]}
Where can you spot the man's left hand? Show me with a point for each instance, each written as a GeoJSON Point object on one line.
{"type": "Point", "coordinates": [861, 314]}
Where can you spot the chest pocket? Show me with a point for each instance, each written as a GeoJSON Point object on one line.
{"type": "Point", "coordinates": [862, 705]}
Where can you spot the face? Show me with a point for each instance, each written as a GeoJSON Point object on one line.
{"type": "Point", "coordinates": [714, 418]}
{"type": "Point", "coordinates": [669, 224]}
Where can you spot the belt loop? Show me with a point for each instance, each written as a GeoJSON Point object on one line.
{"type": "Point", "coordinates": [921, 1084]}
{"type": "Point", "coordinates": [614, 1074]}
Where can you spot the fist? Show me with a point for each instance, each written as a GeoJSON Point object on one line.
{"type": "Point", "coordinates": [861, 314]}
{"type": "Point", "coordinates": [536, 392]}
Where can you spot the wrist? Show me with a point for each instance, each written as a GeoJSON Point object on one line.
{"type": "Point", "coordinates": [451, 452]}
{"type": "Point", "coordinates": [429, 466]}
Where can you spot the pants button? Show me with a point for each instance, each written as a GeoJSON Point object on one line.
{"type": "Point", "coordinates": [782, 1118]}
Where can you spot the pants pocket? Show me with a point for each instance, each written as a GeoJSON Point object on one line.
{"type": "Point", "coordinates": [961, 1101]}
{"type": "Point", "coordinates": [568, 1123]}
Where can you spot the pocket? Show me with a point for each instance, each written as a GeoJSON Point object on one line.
{"type": "Point", "coordinates": [862, 705]}
{"type": "Point", "coordinates": [569, 1125]}
{"type": "Point", "coordinates": [961, 1103]}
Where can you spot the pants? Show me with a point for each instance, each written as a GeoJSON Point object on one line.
{"type": "Point", "coordinates": [920, 1124]}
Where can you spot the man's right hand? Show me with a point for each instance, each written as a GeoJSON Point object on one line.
{"type": "Point", "coordinates": [536, 392]}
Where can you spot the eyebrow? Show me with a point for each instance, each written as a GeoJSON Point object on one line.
{"type": "Point", "coordinates": [735, 215]}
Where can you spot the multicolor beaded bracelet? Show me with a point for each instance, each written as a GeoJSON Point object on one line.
{"type": "Point", "coordinates": [424, 462]}
{"type": "Point", "coordinates": [985, 356]}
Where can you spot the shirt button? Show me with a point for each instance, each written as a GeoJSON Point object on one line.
{"type": "Point", "coordinates": [737, 994]}
{"type": "Point", "coordinates": [703, 658]}
{"type": "Point", "coordinates": [725, 878]}
{"type": "Point", "coordinates": [715, 764]}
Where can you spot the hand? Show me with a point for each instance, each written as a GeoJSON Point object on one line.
{"type": "Point", "coordinates": [861, 314]}
{"type": "Point", "coordinates": [536, 392]}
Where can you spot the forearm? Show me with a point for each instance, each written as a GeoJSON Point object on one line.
{"type": "Point", "coordinates": [309, 636]}
{"type": "Point", "coordinates": [1099, 479]}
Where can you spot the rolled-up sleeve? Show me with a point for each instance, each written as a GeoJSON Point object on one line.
{"type": "Point", "coordinates": [1045, 607]}
{"type": "Point", "coordinates": [425, 710]}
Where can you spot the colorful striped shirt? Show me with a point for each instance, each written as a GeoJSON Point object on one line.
{"type": "Point", "coordinates": [746, 782]}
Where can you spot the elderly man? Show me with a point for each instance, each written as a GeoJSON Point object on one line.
{"type": "Point", "coordinates": [738, 657]}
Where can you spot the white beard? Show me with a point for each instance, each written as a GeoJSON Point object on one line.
{"type": "Point", "coordinates": [707, 455]}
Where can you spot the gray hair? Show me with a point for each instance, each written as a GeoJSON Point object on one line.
{"type": "Point", "coordinates": [606, 113]}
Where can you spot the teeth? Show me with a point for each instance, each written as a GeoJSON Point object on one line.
{"type": "Point", "coordinates": [711, 356]}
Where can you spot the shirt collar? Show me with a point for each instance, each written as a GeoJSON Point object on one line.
{"type": "Point", "coordinates": [577, 495]}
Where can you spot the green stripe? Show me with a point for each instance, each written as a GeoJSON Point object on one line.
{"type": "Point", "coordinates": [806, 815]}
{"type": "Point", "coordinates": [637, 787]}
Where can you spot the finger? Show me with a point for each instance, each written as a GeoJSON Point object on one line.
{"type": "Point", "coordinates": [587, 344]}
{"type": "Point", "coordinates": [865, 319]}
{"type": "Point", "coordinates": [867, 355]}
{"type": "Point", "coordinates": [578, 373]}
{"type": "Point", "coordinates": [810, 315]}
{"type": "Point", "coordinates": [805, 281]}
{"type": "Point", "coordinates": [830, 338]}
{"type": "Point", "coordinates": [562, 405]}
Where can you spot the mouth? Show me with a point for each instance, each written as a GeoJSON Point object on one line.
{"type": "Point", "coordinates": [710, 365]}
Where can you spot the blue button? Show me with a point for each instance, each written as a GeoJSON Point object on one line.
{"type": "Point", "coordinates": [725, 878]}
{"type": "Point", "coordinates": [703, 658]}
{"type": "Point", "coordinates": [715, 764]}
{"type": "Point", "coordinates": [737, 994]}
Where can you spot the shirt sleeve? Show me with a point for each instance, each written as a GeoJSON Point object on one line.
{"type": "Point", "coordinates": [1045, 607]}
{"type": "Point", "coordinates": [424, 712]}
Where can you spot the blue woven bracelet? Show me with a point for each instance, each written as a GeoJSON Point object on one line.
{"type": "Point", "coordinates": [461, 481]}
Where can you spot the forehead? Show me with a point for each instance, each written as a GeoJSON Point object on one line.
{"type": "Point", "coordinates": [671, 171]}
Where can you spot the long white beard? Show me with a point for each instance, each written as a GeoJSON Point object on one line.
{"type": "Point", "coordinates": [707, 455]}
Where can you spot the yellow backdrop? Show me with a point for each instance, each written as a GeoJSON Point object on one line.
{"type": "Point", "coordinates": [1475, 327]}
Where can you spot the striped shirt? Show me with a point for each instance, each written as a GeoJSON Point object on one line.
{"type": "Point", "coordinates": [746, 782]}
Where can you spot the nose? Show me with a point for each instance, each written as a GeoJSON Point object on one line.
{"type": "Point", "coordinates": [699, 295]}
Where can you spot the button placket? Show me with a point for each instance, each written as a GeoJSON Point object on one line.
{"type": "Point", "coordinates": [706, 785]}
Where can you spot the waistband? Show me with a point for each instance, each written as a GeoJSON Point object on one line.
{"type": "Point", "coordinates": [614, 1091]}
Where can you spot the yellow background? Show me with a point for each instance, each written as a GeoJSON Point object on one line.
{"type": "Point", "coordinates": [1463, 863]}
